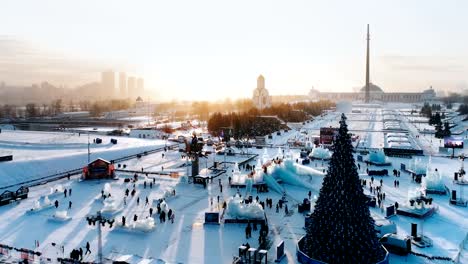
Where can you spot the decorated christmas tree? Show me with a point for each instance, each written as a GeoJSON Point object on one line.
{"type": "Point", "coordinates": [342, 230]}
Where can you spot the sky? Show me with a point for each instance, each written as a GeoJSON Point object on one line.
{"type": "Point", "coordinates": [215, 49]}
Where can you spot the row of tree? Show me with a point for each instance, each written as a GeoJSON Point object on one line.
{"type": "Point", "coordinates": [442, 132]}
{"type": "Point", "coordinates": [32, 110]}
{"type": "Point", "coordinates": [427, 109]}
{"type": "Point", "coordinates": [463, 109]}
{"type": "Point", "coordinates": [263, 122]}
{"type": "Point", "coordinates": [242, 125]}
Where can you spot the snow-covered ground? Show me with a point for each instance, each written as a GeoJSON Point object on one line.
{"type": "Point", "coordinates": [38, 154]}
{"type": "Point", "coordinates": [188, 240]}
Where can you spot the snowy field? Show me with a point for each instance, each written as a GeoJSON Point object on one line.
{"type": "Point", "coordinates": [188, 240]}
{"type": "Point", "coordinates": [38, 154]}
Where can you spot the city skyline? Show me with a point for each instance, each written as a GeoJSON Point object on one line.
{"type": "Point", "coordinates": [197, 53]}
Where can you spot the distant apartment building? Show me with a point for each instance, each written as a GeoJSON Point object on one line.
{"type": "Point", "coordinates": [107, 84]}
{"type": "Point", "coordinates": [140, 87]}
{"type": "Point", "coordinates": [123, 85]}
{"type": "Point", "coordinates": [131, 86]}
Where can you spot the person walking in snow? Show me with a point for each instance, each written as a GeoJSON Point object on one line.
{"type": "Point", "coordinates": [69, 205]}
{"type": "Point", "coordinates": [138, 201]}
{"type": "Point", "coordinates": [123, 220]}
{"type": "Point", "coordinates": [56, 203]}
{"type": "Point", "coordinates": [65, 193]}
{"type": "Point", "coordinates": [88, 251]}
{"type": "Point", "coordinates": [172, 218]}
{"type": "Point", "coordinates": [69, 192]}
{"type": "Point", "coordinates": [169, 214]}
{"type": "Point", "coordinates": [151, 211]}
{"type": "Point", "coordinates": [147, 201]}
{"type": "Point", "coordinates": [135, 218]}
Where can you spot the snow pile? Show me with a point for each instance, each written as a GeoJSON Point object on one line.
{"type": "Point", "coordinates": [417, 166]}
{"type": "Point", "coordinates": [107, 189]}
{"type": "Point", "coordinates": [237, 209]}
{"type": "Point", "coordinates": [110, 205]}
{"type": "Point", "coordinates": [47, 201]}
{"type": "Point", "coordinates": [168, 192]}
{"type": "Point", "coordinates": [377, 157]}
{"type": "Point", "coordinates": [38, 206]}
{"type": "Point", "coordinates": [320, 153]}
{"type": "Point", "coordinates": [61, 216]}
{"type": "Point", "coordinates": [144, 225]}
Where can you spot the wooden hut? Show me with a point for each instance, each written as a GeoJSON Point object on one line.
{"type": "Point", "coordinates": [99, 169]}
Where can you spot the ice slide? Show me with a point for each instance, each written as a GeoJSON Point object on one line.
{"type": "Point", "coordinates": [273, 184]}
{"type": "Point", "coordinates": [289, 177]}
{"type": "Point", "coordinates": [307, 171]}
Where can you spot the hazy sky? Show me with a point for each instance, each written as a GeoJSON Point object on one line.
{"type": "Point", "coordinates": [216, 49]}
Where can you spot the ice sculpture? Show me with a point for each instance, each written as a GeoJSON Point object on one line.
{"type": "Point", "coordinates": [280, 153]}
{"type": "Point", "coordinates": [110, 205]}
{"type": "Point", "coordinates": [249, 185]}
{"type": "Point", "coordinates": [377, 157]}
{"type": "Point", "coordinates": [433, 180]}
{"type": "Point", "coordinates": [265, 157]}
{"type": "Point", "coordinates": [237, 209]}
{"type": "Point", "coordinates": [417, 166]}
{"type": "Point", "coordinates": [320, 153]}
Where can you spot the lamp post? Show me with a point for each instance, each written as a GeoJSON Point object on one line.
{"type": "Point", "coordinates": [101, 220]}
{"type": "Point", "coordinates": [89, 151]}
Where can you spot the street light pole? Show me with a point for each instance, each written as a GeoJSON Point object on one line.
{"type": "Point", "coordinates": [99, 218]}
{"type": "Point", "coordinates": [89, 152]}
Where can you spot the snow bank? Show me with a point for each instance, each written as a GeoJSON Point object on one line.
{"type": "Point", "coordinates": [237, 209]}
